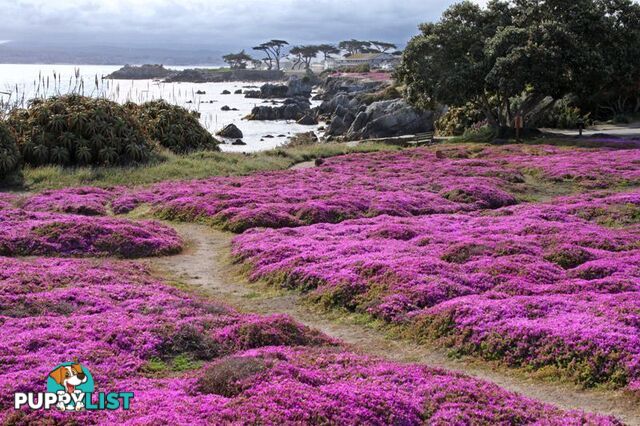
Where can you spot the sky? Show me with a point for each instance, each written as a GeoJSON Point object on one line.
{"type": "Point", "coordinates": [226, 24]}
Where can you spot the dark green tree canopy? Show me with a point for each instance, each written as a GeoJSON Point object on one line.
{"type": "Point", "coordinates": [302, 55]}
{"type": "Point", "coordinates": [327, 50]}
{"type": "Point", "coordinates": [274, 51]}
{"type": "Point", "coordinates": [527, 48]}
{"type": "Point", "coordinates": [354, 46]}
{"type": "Point", "coordinates": [237, 60]}
{"type": "Point", "coordinates": [382, 46]}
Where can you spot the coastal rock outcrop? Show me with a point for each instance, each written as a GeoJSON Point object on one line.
{"type": "Point", "coordinates": [389, 118]}
{"type": "Point", "coordinates": [142, 72]}
{"type": "Point", "coordinates": [268, 91]}
{"type": "Point", "coordinates": [290, 109]}
{"type": "Point", "coordinates": [357, 109]}
{"type": "Point", "coordinates": [230, 131]}
{"type": "Point", "coordinates": [333, 86]}
{"type": "Point", "coordinates": [295, 87]}
{"type": "Point", "coordinates": [203, 75]}
{"type": "Point", "coordinates": [308, 120]}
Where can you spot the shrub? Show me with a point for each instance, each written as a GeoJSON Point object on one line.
{"type": "Point", "coordinates": [227, 376]}
{"type": "Point", "coordinates": [173, 127]}
{"type": "Point", "coordinates": [479, 132]}
{"type": "Point", "coordinates": [273, 330]}
{"type": "Point", "coordinates": [356, 68]}
{"type": "Point", "coordinates": [386, 94]}
{"type": "Point", "coordinates": [78, 130]}
{"type": "Point", "coordinates": [303, 139]}
{"type": "Point", "coordinates": [189, 340]}
{"type": "Point", "coordinates": [9, 154]}
{"type": "Point", "coordinates": [563, 114]}
{"type": "Point", "coordinates": [456, 120]}
{"type": "Point", "coordinates": [568, 256]}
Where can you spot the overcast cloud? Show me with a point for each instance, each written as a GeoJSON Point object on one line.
{"type": "Point", "coordinates": [224, 23]}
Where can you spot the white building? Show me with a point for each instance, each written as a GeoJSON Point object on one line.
{"type": "Point", "coordinates": [374, 60]}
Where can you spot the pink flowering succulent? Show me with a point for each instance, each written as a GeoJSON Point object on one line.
{"type": "Point", "coordinates": [83, 200]}
{"type": "Point", "coordinates": [533, 284]}
{"type": "Point", "coordinates": [406, 183]}
{"type": "Point", "coordinates": [24, 233]}
{"type": "Point", "coordinates": [120, 322]}
{"type": "Point", "coordinates": [7, 200]}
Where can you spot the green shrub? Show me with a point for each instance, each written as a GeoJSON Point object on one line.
{"type": "Point", "coordinates": [9, 154]}
{"type": "Point", "coordinates": [479, 132]}
{"type": "Point", "coordinates": [188, 340]}
{"type": "Point", "coordinates": [386, 94]}
{"type": "Point", "coordinates": [457, 119]}
{"type": "Point", "coordinates": [173, 127]}
{"type": "Point", "coordinates": [78, 130]}
{"type": "Point", "coordinates": [356, 68]}
{"type": "Point", "coordinates": [563, 114]}
{"type": "Point", "coordinates": [229, 376]}
{"type": "Point", "coordinates": [621, 119]}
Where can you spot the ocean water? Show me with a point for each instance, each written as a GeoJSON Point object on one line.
{"type": "Point", "coordinates": [22, 82]}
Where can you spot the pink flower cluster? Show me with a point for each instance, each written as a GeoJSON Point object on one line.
{"type": "Point", "coordinates": [118, 321]}
{"type": "Point", "coordinates": [83, 200]}
{"type": "Point", "coordinates": [7, 200]}
{"type": "Point", "coordinates": [407, 183]}
{"type": "Point", "coordinates": [591, 168]}
{"type": "Point", "coordinates": [24, 233]}
{"type": "Point", "coordinates": [534, 284]}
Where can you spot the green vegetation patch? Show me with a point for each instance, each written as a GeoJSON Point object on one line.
{"type": "Point", "coordinates": [78, 130]}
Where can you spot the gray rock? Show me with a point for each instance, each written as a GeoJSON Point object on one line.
{"type": "Point", "coordinates": [269, 90]}
{"type": "Point", "coordinates": [142, 72]}
{"type": "Point", "coordinates": [230, 131]}
{"type": "Point", "coordinates": [332, 86]}
{"type": "Point", "coordinates": [290, 109]}
{"type": "Point", "coordinates": [238, 142]}
{"type": "Point", "coordinates": [299, 87]}
{"type": "Point", "coordinates": [329, 106]}
{"type": "Point", "coordinates": [359, 122]}
{"type": "Point", "coordinates": [337, 127]}
{"type": "Point", "coordinates": [390, 118]}
{"type": "Point", "coordinates": [307, 120]}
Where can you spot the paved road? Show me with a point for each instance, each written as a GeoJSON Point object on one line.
{"type": "Point", "coordinates": [627, 130]}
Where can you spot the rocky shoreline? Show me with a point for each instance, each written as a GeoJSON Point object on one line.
{"type": "Point", "coordinates": [352, 108]}
{"type": "Point", "coordinates": [193, 75]}
{"type": "Point", "coordinates": [356, 109]}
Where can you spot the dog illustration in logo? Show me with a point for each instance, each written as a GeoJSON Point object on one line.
{"type": "Point", "coordinates": [69, 377]}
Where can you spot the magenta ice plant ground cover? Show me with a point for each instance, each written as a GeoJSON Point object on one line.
{"type": "Point", "coordinates": [7, 200]}
{"type": "Point", "coordinates": [591, 168]}
{"type": "Point", "coordinates": [118, 320]}
{"type": "Point", "coordinates": [535, 284]}
{"type": "Point", "coordinates": [406, 183]}
{"type": "Point", "coordinates": [354, 186]}
{"type": "Point", "coordinates": [83, 200]}
{"type": "Point", "coordinates": [24, 233]}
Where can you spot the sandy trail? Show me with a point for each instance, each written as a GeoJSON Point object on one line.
{"type": "Point", "coordinates": [205, 266]}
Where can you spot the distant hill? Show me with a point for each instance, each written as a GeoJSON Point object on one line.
{"type": "Point", "coordinates": [31, 53]}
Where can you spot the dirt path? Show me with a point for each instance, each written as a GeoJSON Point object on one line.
{"type": "Point", "coordinates": [303, 165]}
{"type": "Point", "coordinates": [204, 265]}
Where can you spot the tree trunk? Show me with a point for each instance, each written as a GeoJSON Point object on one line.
{"type": "Point", "coordinates": [508, 109]}
{"type": "Point", "coordinates": [486, 108]}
